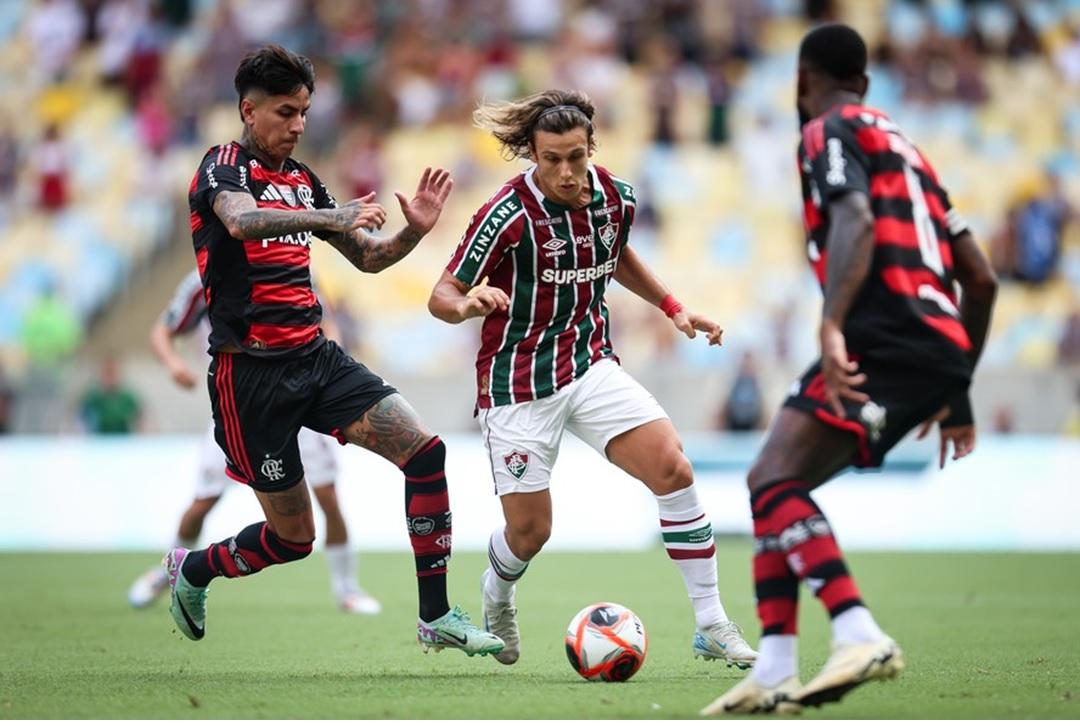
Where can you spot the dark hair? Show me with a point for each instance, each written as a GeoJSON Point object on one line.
{"type": "Point", "coordinates": [275, 71]}
{"type": "Point", "coordinates": [836, 50]}
{"type": "Point", "coordinates": [515, 123]}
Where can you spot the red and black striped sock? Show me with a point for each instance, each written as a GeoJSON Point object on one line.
{"type": "Point", "coordinates": [776, 587]}
{"type": "Point", "coordinates": [427, 515]}
{"type": "Point", "coordinates": [255, 548]}
{"type": "Point", "coordinates": [794, 529]}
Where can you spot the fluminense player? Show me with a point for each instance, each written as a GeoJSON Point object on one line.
{"type": "Point", "coordinates": [254, 211]}
{"type": "Point", "coordinates": [897, 350]}
{"type": "Point", "coordinates": [550, 241]}
{"type": "Point", "coordinates": [185, 315]}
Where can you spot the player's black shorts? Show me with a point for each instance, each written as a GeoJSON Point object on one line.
{"type": "Point", "coordinates": [901, 398]}
{"type": "Point", "coordinates": [260, 404]}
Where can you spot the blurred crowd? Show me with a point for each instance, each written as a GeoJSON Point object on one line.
{"type": "Point", "coordinates": [386, 67]}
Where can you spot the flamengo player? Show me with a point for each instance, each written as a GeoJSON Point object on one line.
{"type": "Point", "coordinates": [254, 210]}
{"type": "Point", "coordinates": [186, 314]}
{"type": "Point", "coordinates": [551, 240]}
{"type": "Point", "coordinates": [897, 351]}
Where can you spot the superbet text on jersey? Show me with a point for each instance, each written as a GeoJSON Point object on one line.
{"type": "Point", "coordinates": [555, 264]}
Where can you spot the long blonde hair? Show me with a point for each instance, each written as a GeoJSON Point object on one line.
{"type": "Point", "coordinates": [515, 123]}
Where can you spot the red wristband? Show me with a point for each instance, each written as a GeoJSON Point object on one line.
{"type": "Point", "coordinates": [670, 306]}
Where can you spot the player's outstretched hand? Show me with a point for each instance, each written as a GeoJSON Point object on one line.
{"type": "Point", "coordinates": [962, 438]}
{"type": "Point", "coordinates": [841, 375]}
{"type": "Point", "coordinates": [423, 210]}
{"type": "Point", "coordinates": [483, 300]}
{"type": "Point", "coordinates": [689, 323]}
{"type": "Point", "coordinates": [357, 213]}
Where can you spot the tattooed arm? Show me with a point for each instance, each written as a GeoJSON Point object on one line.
{"type": "Point", "coordinates": [244, 220]}
{"type": "Point", "coordinates": [372, 254]}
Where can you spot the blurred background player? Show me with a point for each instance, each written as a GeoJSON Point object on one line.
{"type": "Point", "coordinates": [897, 350]}
{"type": "Point", "coordinates": [254, 212]}
{"type": "Point", "coordinates": [551, 240]}
{"type": "Point", "coordinates": [186, 314]}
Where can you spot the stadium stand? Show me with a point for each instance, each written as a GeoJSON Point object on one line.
{"type": "Point", "coordinates": [139, 89]}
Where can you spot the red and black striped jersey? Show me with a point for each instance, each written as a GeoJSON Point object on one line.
{"type": "Point", "coordinates": [258, 291]}
{"type": "Point", "coordinates": [555, 264]}
{"type": "Point", "coordinates": [907, 311]}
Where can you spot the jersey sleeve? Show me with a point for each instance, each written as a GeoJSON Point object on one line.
{"type": "Point", "coordinates": [495, 228]}
{"type": "Point", "coordinates": [840, 165]}
{"type": "Point", "coordinates": [955, 223]}
{"type": "Point", "coordinates": [187, 307]}
{"type": "Point", "coordinates": [321, 196]}
{"type": "Point", "coordinates": [215, 178]}
{"type": "Point", "coordinates": [628, 199]}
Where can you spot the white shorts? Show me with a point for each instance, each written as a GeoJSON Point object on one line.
{"type": "Point", "coordinates": [523, 439]}
{"type": "Point", "coordinates": [317, 452]}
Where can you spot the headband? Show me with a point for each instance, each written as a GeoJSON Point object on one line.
{"type": "Point", "coordinates": [556, 109]}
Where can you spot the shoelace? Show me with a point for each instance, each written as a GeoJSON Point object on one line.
{"type": "Point", "coordinates": [728, 628]}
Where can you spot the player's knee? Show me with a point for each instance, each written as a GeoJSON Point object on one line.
{"type": "Point", "coordinates": [301, 529]}
{"type": "Point", "coordinates": [676, 474]}
{"type": "Point", "coordinates": [757, 476]}
{"type": "Point", "coordinates": [682, 473]}
{"type": "Point", "coordinates": [528, 538]}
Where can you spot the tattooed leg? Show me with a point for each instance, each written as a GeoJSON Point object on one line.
{"type": "Point", "coordinates": [289, 512]}
{"type": "Point", "coordinates": [285, 536]}
{"type": "Point", "coordinates": [391, 428]}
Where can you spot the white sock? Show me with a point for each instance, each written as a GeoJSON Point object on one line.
{"type": "Point", "coordinates": [342, 561]}
{"type": "Point", "coordinates": [688, 540]}
{"type": "Point", "coordinates": [504, 568]}
{"type": "Point", "coordinates": [777, 660]}
{"type": "Point", "coordinates": [856, 625]}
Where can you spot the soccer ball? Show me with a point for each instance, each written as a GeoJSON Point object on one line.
{"type": "Point", "coordinates": [606, 642]}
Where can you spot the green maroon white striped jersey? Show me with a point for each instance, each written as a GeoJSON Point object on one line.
{"type": "Point", "coordinates": [555, 264]}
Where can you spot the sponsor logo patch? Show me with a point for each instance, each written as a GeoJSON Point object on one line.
{"type": "Point", "coordinates": [835, 175]}
{"type": "Point", "coordinates": [421, 526]}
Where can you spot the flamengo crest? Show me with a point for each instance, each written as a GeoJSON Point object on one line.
{"type": "Point", "coordinates": [272, 469]}
{"type": "Point", "coordinates": [517, 463]}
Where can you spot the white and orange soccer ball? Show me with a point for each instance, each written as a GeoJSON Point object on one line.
{"type": "Point", "coordinates": [606, 642]}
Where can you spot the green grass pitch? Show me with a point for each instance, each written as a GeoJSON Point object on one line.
{"type": "Point", "coordinates": [985, 635]}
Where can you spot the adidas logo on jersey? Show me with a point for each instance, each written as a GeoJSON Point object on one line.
{"type": "Point", "coordinates": [274, 193]}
